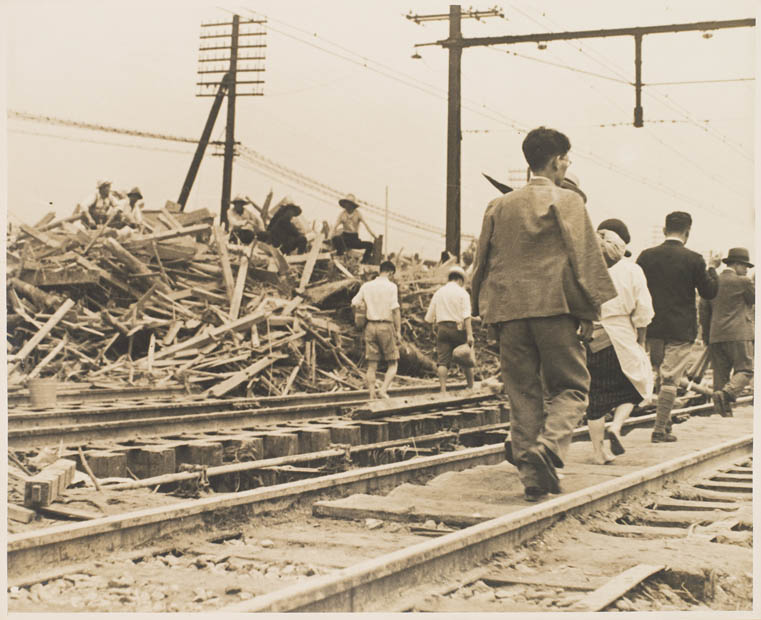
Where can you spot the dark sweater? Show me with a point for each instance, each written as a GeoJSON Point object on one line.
{"type": "Point", "coordinates": [673, 274]}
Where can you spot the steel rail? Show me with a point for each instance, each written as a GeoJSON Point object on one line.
{"type": "Point", "coordinates": [379, 584]}
{"type": "Point", "coordinates": [27, 551]}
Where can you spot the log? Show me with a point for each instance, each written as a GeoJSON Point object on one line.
{"type": "Point", "coordinates": [35, 294]}
{"type": "Point", "coordinates": [44, 331]}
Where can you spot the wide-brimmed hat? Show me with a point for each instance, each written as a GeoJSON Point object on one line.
{"type": "Point", "coordinates": [135, 190]}
{"type": "Point", "coordinates": [456, 269]}
{"type": "Point", "coordinates": [738, 255]}
{"type": "Point", "coordinates": [239, 198]}
{"type": "Point", "coordinates": [349, 201]}
{"type": "Point", "coordinates": [618, 227]}
{"type": "Point", "coordinates": [102, 182]}
{"type": "Point", "coordinates": [571, 181]}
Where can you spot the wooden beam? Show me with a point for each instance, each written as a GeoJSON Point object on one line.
{"type": "Point", "coordinates": [239, 377]}
{"type": "Point", "coordinates": [614, 589]}
{"type": "Point", "coordinates": [221, 243]}
{"type": "Point", "coordinates": [311, 260]}
{"type": "Point", "coordinates": [168, 234]}
{"type": "Point", "coordinates": [240, 285]}
{"type": "Point", "coordinates": [46, 360]}
{"type": "Point", "coordinates": [42, 237]}
{"type": "Point", "coordinates": [44, 331]}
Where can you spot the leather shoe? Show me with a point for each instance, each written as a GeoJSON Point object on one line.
{"type": "Point", "coordinates": [548, 478]}
{"type": "Point", "coordinates": [534, 494]}
{"type": "Point", "coordinates": [662, 438]}
{"type": "Point", "coordinates": [721, 404]}
{"type": "Point", "coordinates": [616, 447]}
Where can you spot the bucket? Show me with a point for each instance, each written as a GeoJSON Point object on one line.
{"type": "Point", "coordinates": [42, 392]}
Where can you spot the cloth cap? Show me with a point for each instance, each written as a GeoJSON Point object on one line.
{"type": "Point", "coordinates": [738, 255]}
{"type": "Point", "coordinates": [612, 246]}
{"type": "Point", "coordinates": [458, 270]}
{"type": "Point", "coordinates": [135, 190]}
{"type": "Point", "coordinates": [348, 201]}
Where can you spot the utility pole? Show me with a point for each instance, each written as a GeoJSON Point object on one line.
{"type": "Point", "coordinates": [454, 133]}
{"type": "Point", "coordinates": [457, 42]}
{"type": "Point", "coordinates": [221, 60]}
{"type": "Point", "coordinates": [385, 227]}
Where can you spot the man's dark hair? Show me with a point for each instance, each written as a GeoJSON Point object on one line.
{"type": "Point", "coordinates": [387, 267]}
{"type": "Point", "coordinates": [678, 222]}
{"type": "Point", "coordinates": [455, 276]}
{"type": "Point", "coordinates": [542, 144]}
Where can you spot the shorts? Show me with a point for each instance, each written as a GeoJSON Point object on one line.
{"type": "Point", "coordinates": [380, 342]}
{"type": "Point", "coordinates": [671, 358]}
{"type": "Point", "coordinates": [447, 338]}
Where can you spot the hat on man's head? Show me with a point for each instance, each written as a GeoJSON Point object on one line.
{"type": "Point", "coordinates": [102, 182]}
{"type": "Point", "coordinates": [571, 181]}
{"type": "Point", "coordinates": [349, 201]}
{"type": "Point", "coordinates": [738, 255]}
{"type": "Point", "coordinates": [239, 198]}
{"type": "Point", "coordinates": [458, 270]}
{"type": "Point", "coordinates": [618, 227]}
{"type": "Point", "coordinates": [135, 190]}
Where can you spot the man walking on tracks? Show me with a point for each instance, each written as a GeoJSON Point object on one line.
{"type": "Point", "coordinates": [539, 278]}
{"type": "Point", "coordinates": [383, 331]}
{"type": "Point", "coordinates": [727, 322]}
{"type": "Point", "coordinates": [673, 274]}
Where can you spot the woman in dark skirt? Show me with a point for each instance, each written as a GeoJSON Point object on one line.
{"type": "Point", "coordinates": [616, 359]}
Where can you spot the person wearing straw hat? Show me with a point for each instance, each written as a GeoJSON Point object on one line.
{"type": "Point", "coordinates": [244, 222]}
{"type": "Point", "coordinates": [616, 358]}
{"type": "Point", "coordinates": [345, 232]}
{"type": "Point", "coordinates": [673, 275]}
{"type": "Point", "coordinates": [449, 311]}
{"type": "Point", "coordinates": [727, 322]}
{"type": "Point", "coordinates": [283, 233]}
{"type": "Point", "coordinates": [98, 208]}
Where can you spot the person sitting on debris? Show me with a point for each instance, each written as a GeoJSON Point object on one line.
{"type": "Point", "coordinates": [244, 222]}
{"type": "Point", "coordinates": [345, 233]}
{"type": "Point", "coordinates": [450, 312]}
{"type": "Point", "coordinates": [96, 210]}
{"type": "Point", "coordinates": [383, 331]}
{"type": "Point", "coordinates": [282, 230]}
{"type": "Point", "coordinates": [131, 210]}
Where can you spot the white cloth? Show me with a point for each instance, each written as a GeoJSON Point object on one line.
{"type": "Point", "coordinates": [249, 219]}
{"type": "Point", "coordinates": [450, 303]}
{"type": "Point", "coordinates": [380, 296]}
{"type": "Point", "coordinates": [620, 318]}
{"type": "Point", "coordinates": [133, 215]}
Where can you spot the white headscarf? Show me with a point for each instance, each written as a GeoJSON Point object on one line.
{"type": "Point", "coordinates": [612, 246]}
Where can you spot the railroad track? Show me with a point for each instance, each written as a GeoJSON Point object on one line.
{"type": "Point", "coordinates": [120, 421]}
{"type": "Point", "coordinates": [395, 556]}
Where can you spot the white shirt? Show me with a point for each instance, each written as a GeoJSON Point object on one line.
{"type": "Point", "coordinates": [380, 296]}
{"type": "Point", "coordinates": [450, 303]}
{"type": "Point", "coordinates": [249, 218]}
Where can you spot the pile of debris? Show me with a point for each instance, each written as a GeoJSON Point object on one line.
{"type": "Point", "coordinates": [182, 305]}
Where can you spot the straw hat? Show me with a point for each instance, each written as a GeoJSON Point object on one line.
{"type": "Point", "coordinates": [348, 201]}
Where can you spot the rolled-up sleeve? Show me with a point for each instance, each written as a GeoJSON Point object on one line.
{"type": "Point", "coordinates": [359, 297]}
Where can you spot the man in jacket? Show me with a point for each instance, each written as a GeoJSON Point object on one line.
{"type": "Point", "coordinates": [673, 274]}
{"type": "Point", "coordinates": [539, 277]}
{"type": "Point", "coordinates": [727, 322]}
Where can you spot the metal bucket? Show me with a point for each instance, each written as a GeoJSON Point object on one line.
{"type": "Point", "coordinates": [42, 392]}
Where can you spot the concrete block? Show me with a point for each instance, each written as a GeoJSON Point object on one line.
{"type": "Point", "coordinates": [106, 464]}
{"type": "Point", "coordinates": [242, 448]}
{"type": "Point", "coordinates": [313, 439]}
{"type": "Point", "coordinates": [152, 461]}
{"type": "Point", "coordinates": [201, 452]}
{"type": "Point", "coordinates": [280, 444]}
{"type": "Point", "coordinates": [373, 432]}
{"type": "Point", "coordinates": [44, 487]}
{"type": "Point", "coordinates": [346, 434]}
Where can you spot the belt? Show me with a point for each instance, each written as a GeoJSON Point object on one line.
{"type": "Point", "coordinates": [446, 322]}
{"type": "Point", "coordinates": [376, 321]}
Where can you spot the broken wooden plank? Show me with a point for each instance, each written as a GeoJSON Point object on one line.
{"type": "Point", "coordinates": [311, 260]}
{"type": "Point", "coordinates": [44, 331]}
{"type": "Point", "coordinates": [297, 259]}
{"type": "Point", "coordinates": [20, 514]}
{"type": "Point", "coordinates": [614, 589]}
{"type": "Point", "coordinates": [40, 236]}
{"type": "Point", "coordinates": [48, 358]}
{"type": "Point", "coordinates": [239, 377]}
{"type": "Point", "coordinates": [57, 510]}
{"type": "Point", "coordinates": [240, 285]}
{"type": "Point", "coordinates": [220, 239]}
{"type": "Point", "coordinates": [38, 296]}
{"type": "Point", "coordinates": [167, 234]}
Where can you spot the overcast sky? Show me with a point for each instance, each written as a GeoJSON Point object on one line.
{"type": "Point", "coordinates": [345, 105]}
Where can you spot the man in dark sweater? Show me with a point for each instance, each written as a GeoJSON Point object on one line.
{"type": "Point", "coordinates": [673, 274]}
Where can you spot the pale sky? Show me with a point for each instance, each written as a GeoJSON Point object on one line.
{"type": "Point", "coordinates": [345, 104]}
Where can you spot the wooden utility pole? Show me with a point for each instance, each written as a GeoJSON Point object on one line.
{"type": "Point", "coordinates": [227, 166]}
{"type": "Point", "coordinates": [455, 44]}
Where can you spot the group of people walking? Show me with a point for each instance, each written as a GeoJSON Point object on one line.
{"type": "Point", "coordinates": [583, 331]}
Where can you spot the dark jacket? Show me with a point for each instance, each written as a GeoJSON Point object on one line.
{"type": "Point", "coordinates": [729, 316]}
{"type": "Point", "coordinates": [673, 274]}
